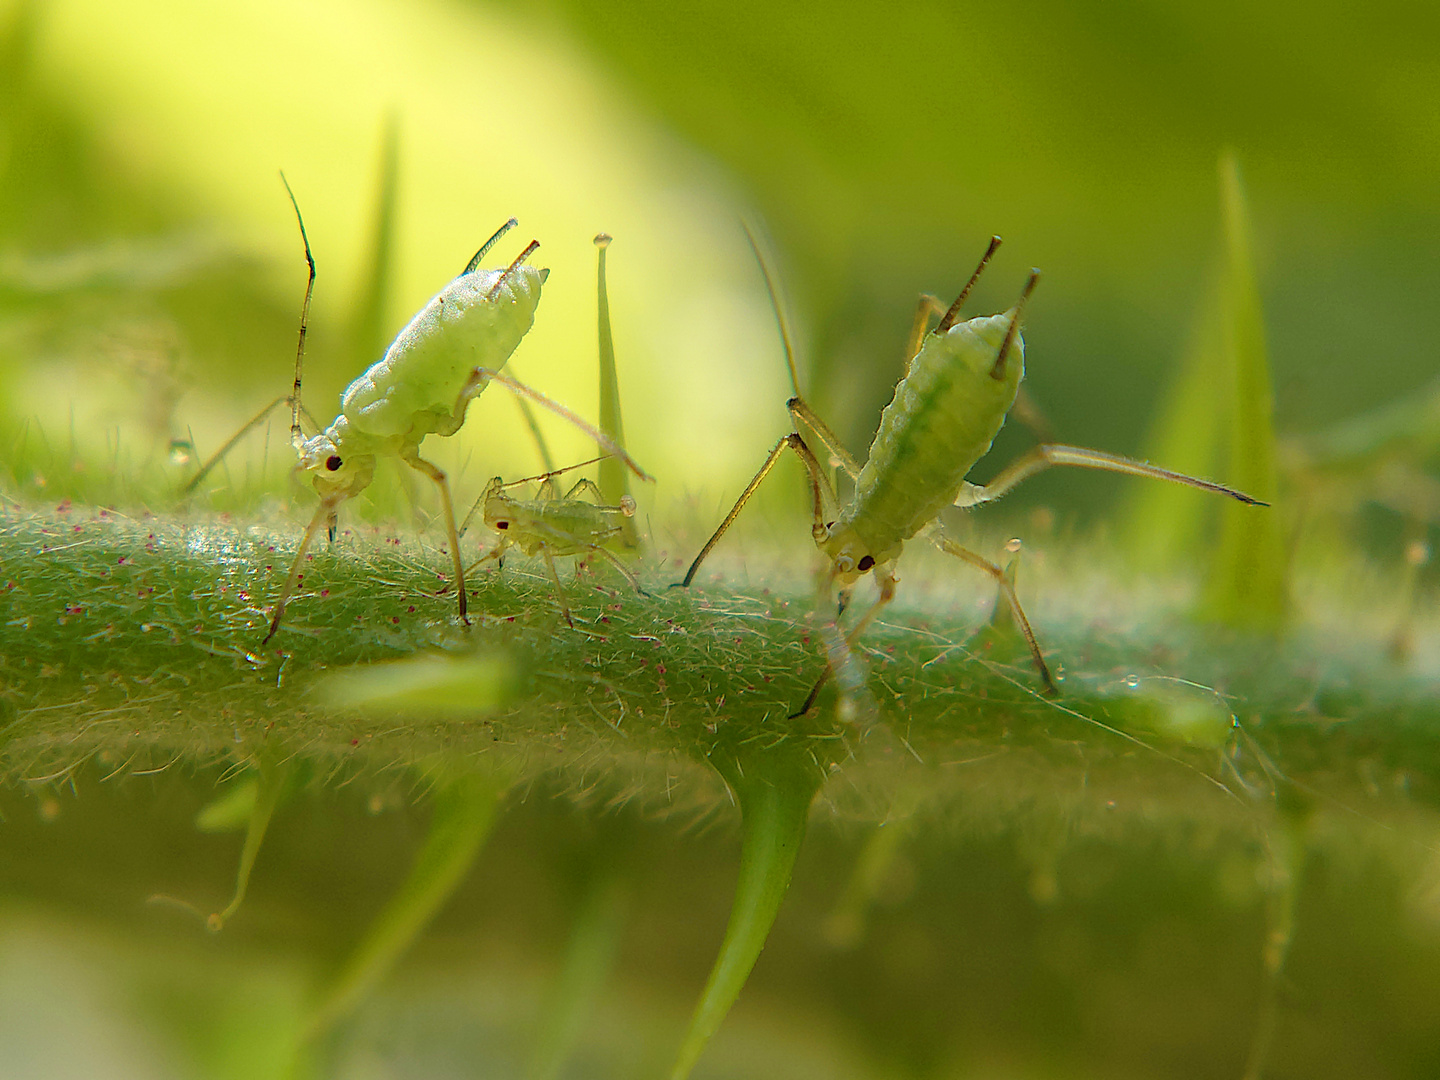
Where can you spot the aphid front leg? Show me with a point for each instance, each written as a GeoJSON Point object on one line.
{"type": "Point", "coordinates": [886, 580]}
{"type": "Point", "coordinates": [819, 489]}
{"type": "Point", "coordinates": [323, 513]}
{"type": "Point", "coordinates": [412, 458]}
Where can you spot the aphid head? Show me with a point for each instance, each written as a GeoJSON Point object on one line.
{"type": "Point", "coordinates": [498, 507]}
{"type": "Point", "coordinates": [850, 557]}
{"type": "Point", "coordinates": [333, 465]}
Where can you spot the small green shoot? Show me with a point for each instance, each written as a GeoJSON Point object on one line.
{"type": "Point", "coordinates": [589, 955]}
{"type": "Point", "coordinates": [774, 787]}
{"type": "Point", "coordinates": [273, 781]}
{"type": "Point", "coordinates": [465, 810]}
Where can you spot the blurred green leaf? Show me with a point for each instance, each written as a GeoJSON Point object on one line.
{"type": "Point", "coordinates": [1248, 586]}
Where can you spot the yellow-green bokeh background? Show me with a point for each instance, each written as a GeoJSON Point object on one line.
{"type": "Point", "coordinates": [880, 148]}
{"type": "Point", "coordinates": [150, 281]}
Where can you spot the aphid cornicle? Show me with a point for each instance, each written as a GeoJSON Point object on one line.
{"type": "Point", "coordinates": [951, 402]}
{"type": "Point", "coordinates": [423, 385]}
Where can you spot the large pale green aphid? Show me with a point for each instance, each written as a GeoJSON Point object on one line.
{"type": "Point", "coordinates": [447, 354]}
{"type": "Point", "coordinates": [954, 397]}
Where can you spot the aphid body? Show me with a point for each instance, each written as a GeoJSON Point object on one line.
{"type": "Point", "coordinates": [425, 379]}
{"type": "Point", "coordinates": [944, 415]}
{"type": "Point", "coordinates": [961, 383]}
{"type": "Point", "coordinates": [554, 525]}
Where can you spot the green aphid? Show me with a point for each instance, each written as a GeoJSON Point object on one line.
{"type": "Point", "coordinates": [447, 354]}
{"type": "Point", "coordinates": [554, 525]}
{"type": "Point", "coordinates": [957, 391]}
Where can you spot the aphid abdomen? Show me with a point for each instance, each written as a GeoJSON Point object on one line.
{"type": "Point", "coordinates": [942, 419]}
{"type": "Point", "coordinates": [422, 373]}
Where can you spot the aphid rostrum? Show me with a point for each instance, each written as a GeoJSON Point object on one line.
{"type": "Point", "coordinates": [957, 390]}
{"type": "Point", "coordinates": [447, 354]}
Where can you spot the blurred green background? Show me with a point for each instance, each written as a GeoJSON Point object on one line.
{"type": "Point", "coordinates": [150, 284]}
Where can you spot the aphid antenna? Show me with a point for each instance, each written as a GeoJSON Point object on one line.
{"type": "Point", "coordinates": [542, 477]}
{"type": "Point", "coordinates": [297, 437]}
{"type": "Point", "coordinates": [775, 306]}
{"type": "Point", "coordinates": [953, 311]}
{"type": "Point", "coordinates": [474, 263]}
{"type": "Point", "coordinates": [998, 371]}
{"type": "Point", "coordinates": [519, 259]}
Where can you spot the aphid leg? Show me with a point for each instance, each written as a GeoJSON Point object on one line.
{"type": "Point", "coordinates": [559, 590]}
{"type": "Point", "coordinates": [801, 412]}
{"type": "Point", "coordinates": [497, 553]}
{"type": "Point", "coordinates": [1007, 590]}
{"type": "Point", "coordinates": [1043, 457]}
{"type": "Point", "coordinates": [216, 457]}
{"type": "Point", "coordinates": [819, 487]}
{"type": "Point", "coordinates": [415, 461]}
{"type": "Point", "coordinates": [481, 376]}
{"type": "Point", "coordinates": [586, 486]}
{"type": "Point", "coordinates": [323, 512]}
{"type": "Point", "coordinates": [625, 570]}
{"type": "Point", "coordinates": [886, 580]}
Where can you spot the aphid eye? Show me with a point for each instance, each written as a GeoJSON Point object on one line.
{"type": "Point", "coordinates": [866, 561]}
{"type": "Point", "coordinates": [502, 524]}
{"type": "Point", "coordinates": [333, 462]}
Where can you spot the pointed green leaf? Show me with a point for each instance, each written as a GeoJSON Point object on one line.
{"type": "Point", "coordinates": [1248, 584]}
{"type": "Point", "coordinates": [614, 480]}
{"type": "Point", "coordinates": [464, 814]}
{"type": "Point", "coordinates": [1163, 525]}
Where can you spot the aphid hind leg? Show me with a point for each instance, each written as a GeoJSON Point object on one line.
{"type": "Point", "coordinates": [412, 458]}
{"type": "Point", "coordinates": [1007, 590]}
{"type": "Point", "coordinates": [482, 376]}
{"type": "Point", "coordinates": [819, 488]}
{"type": "Point", "coordinates": [614, 560]}
{"type": "Point", "coordinates": [1050, 454]}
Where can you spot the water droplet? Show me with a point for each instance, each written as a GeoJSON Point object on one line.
{"type": "Point", "coordinates": [1013, 545]}
{"type": "Point", "coordinates": [1132, 681]}
{"type": "Point", "coordinates": [181, 452]}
